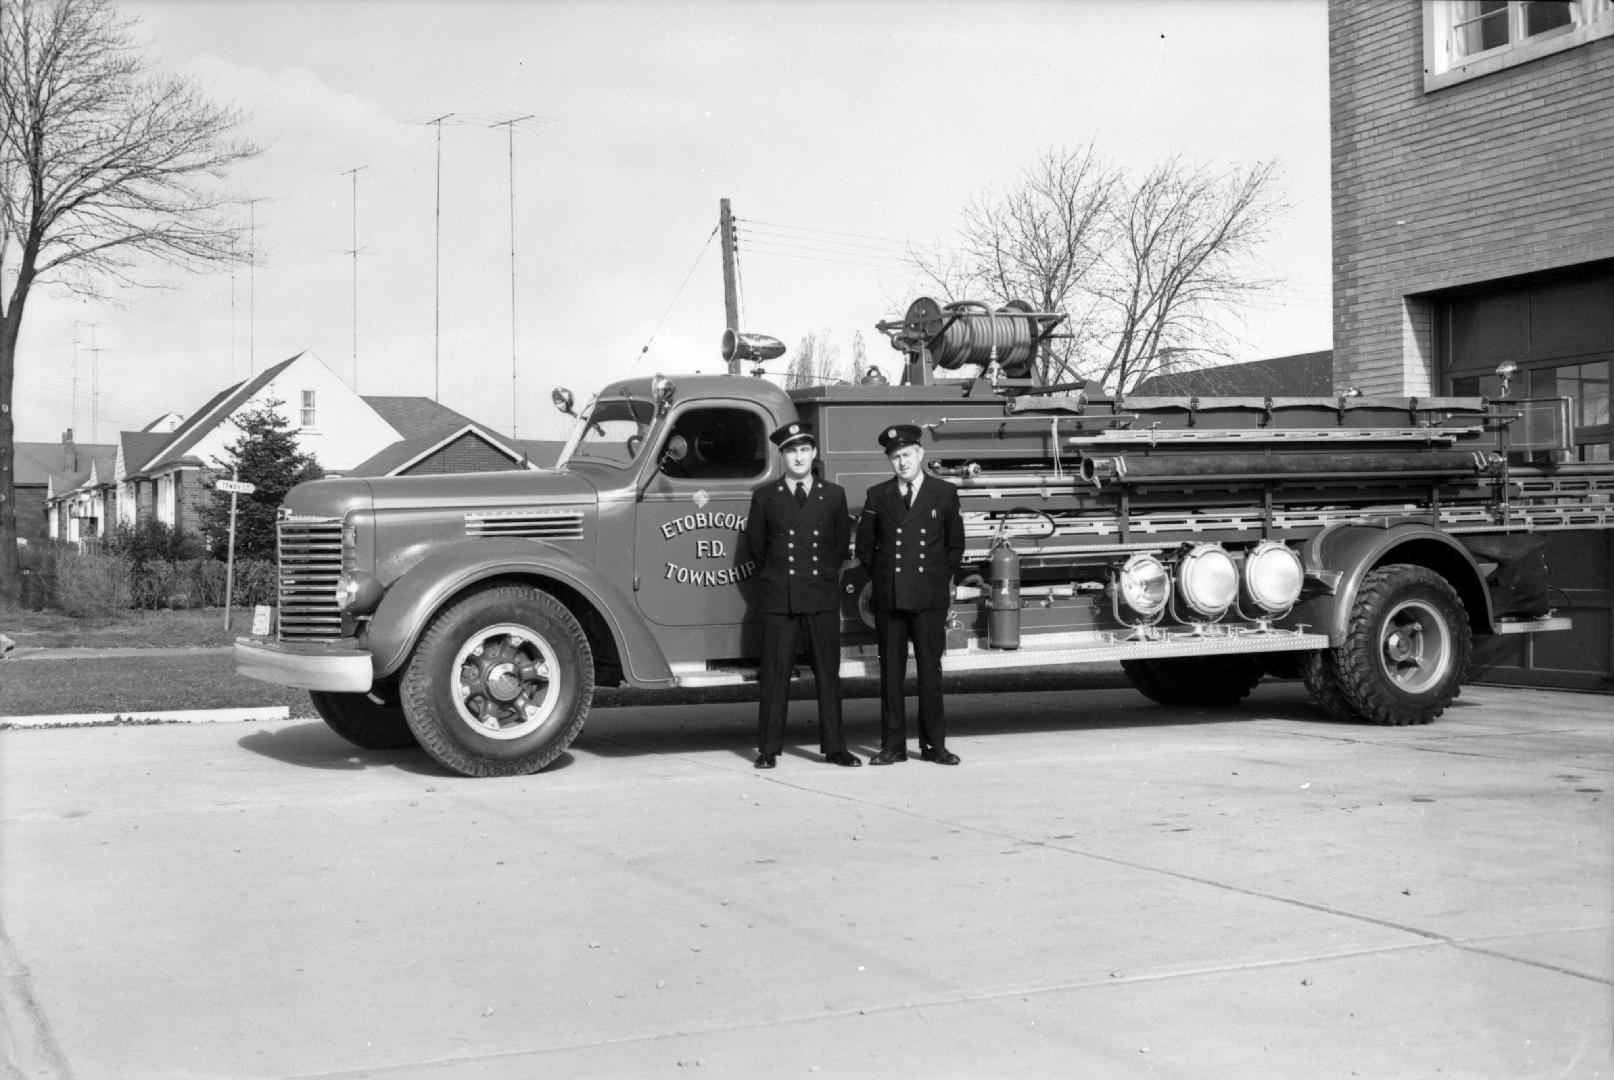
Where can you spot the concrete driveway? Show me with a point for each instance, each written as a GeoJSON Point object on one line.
{"type": "Point", "coordinates": [1105, 888]}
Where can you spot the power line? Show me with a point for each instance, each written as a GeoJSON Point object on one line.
{"type": "Point", "coordinates": [657, 329]}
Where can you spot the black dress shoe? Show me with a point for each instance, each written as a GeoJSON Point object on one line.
{"type": "Point", "coordinates": [940, 757]}
{"type": "Point", "coordinates": [764, 761]}
{"type": "Point", "coordinates": [888, 757]}
{"type": "Point", "coordinates": [841, 757]}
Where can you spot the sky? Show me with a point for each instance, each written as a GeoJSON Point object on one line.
{"type": "Point", "coordinates": [578, 245]}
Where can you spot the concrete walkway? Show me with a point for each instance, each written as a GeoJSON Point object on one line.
{"type": "Point", "coordinates": [1105, 888]}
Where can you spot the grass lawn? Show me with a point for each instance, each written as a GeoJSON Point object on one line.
{"type": "Point", "coordinates": [134, 629]}
{"type": "Point", "coordinates": [204, 680]}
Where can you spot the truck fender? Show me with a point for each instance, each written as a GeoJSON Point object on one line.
{"type": "Point", "coordinates": [1346, 554]}
{"type": "Point", "coordinates": [413, 599]}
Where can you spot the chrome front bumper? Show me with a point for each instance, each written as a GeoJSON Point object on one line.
{"type": "Point", "coordinates": [341, 668]}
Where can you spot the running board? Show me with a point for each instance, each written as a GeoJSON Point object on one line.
{"type": "Point", "coordinates": [1051, 651]}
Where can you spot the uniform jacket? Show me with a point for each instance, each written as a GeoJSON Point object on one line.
{"type": "Point", "coordinates": [911, 554]}
{"type": "Point", "coordinates": [798, 550]}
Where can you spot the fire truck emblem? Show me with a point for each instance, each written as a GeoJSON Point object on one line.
{"type": "Point", "coordinates": [701, 499]}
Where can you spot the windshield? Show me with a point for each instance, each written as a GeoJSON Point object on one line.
{"type": "Point", "coordinates": [610, 432]}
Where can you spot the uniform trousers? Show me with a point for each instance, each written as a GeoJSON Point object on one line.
{"type": "Point", "coordinates": [927, 630]}
{"type": "Point", "coordinates": [781, 635]}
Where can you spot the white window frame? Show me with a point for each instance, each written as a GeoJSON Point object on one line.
{"type": "Point", "coordinates": [307, 410]}
{"type": "Point", "coordinates": [1442, 66]}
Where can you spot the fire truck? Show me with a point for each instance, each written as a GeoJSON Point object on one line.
{"type": "Point", "coordinates": [1358, 543]}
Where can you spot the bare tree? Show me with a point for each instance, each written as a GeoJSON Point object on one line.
{"type": "Point", "coordinates": [1144, 269]}
{"type": "Point", "coordinates": [1175, 263]}
{"type": "Point", "coordinates": [102, 165]}
{"type": "Point", "coordinates": [817, 362]}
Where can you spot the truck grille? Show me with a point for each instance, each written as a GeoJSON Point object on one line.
{"type": "Point", "coordinates": [533, 524]}
{"type": "Point", "coordinates": [310, 563]}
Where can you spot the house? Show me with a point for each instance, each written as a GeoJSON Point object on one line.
{"type": "Point", "coordinates": [1473, 225]}
{"type": "Point", "coordinates": [163, 472]}
{"type": "Point", "coordinates": [38, 468]}
{"type": "Point", "coordinates": [1301, 375]}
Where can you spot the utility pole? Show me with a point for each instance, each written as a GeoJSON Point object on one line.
{"type": "Point", "coordinates": [437, 271]}
{"type": "Point", "coordinates": [252, 293]}
{"type": "Point", "coordinates": [510, 134]}
{"type": "Point", "coordinates": [354, 172]}
{"type": "Point", "coordinates": [731, 297]}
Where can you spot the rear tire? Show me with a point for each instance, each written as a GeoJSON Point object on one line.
{"type": "Point", "coordinates": [500, 683]}
{"type": "Point", "coordinates": [1317, 670]}
{"type": "Point", "coordinates": [1407, 649]}
{"type": "Point", "coordinates": [1207, 682]}
{"type": "Point", "coordinates": [363, 722]}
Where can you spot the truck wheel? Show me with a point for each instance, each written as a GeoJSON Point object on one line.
{"type": "Point", "coordinates": [1322, 680]}
{"type": "Point", "coordinates": [1200, 681]}
{"type": "Point", "coordinates": [1407, 648]}
{"type": "Point", "coordinates": [362, 722]}
{"type": "Point", "coordinates": [500, 683]}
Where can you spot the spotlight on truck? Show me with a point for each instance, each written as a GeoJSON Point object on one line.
{"type": "Point", "coordinates": [1272, 577]}
{"type": "Point", "coordinates": [1144, 586]}
{"type": "Point", "coordinates": [1207, 580]}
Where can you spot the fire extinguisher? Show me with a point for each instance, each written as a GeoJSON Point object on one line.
{"type": "Point", "coordinates": [1003, 597]}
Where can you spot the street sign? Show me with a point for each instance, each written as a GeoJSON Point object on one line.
{"type": "Point", "coordinates": [235, 487]}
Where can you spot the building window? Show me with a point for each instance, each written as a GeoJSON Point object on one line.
{"type": "Point", "coordinates": [308, 408]}
{"type": "Point", "coordinates": [1464, 39]}
{"type": "Point", "coordinates": [1586, 385]}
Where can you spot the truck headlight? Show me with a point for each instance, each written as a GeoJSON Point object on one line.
{"type": "Point", "coordinates": [357, 592]}
{"type": "Point", "coordinates": [1207, 580]}
{"type": "Point", "coordinates": [1273, 576]}
{"type": "Point", "coordinates": [1144, 584]}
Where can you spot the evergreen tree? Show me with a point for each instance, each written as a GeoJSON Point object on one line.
{"type": "Point", "coordinates": [268, 457]}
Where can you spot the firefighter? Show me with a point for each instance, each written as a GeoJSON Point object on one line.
{"type": "Point", "coordinates": [798, 530]}
{"type": "Point", "coordinates": [910, 539]}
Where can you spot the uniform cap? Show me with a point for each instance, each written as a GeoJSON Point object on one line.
{"type": "Point", "coordinates": [792, 433]}
{"type": "Point", "coordinates": [897, 436]}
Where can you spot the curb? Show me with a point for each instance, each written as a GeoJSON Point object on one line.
{"type": "Point", "coordinates": [158, 716]}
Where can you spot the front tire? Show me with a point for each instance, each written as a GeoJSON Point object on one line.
{"type": "Point", "coordinates": [364, 722]}
{"type": "Point", "coordinates": [500, 683]}
{"type": "Point", "coordinates": [1407, 649]}
{"type": "Point", "coordinates": [1206, 682]}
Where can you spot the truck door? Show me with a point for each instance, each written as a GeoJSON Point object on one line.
{"type": "Point", "coordinates": [690, 564]}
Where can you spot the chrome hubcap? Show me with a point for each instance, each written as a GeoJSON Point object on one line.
{"type": "Point", "coordinates": [1416, 646]}
{"type": "Point", "coordinates": [506, 681]}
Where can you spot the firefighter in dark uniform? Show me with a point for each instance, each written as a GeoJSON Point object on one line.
{"type": "Point", "coordinates": [910, 539]}
{"type": "Point", "coordinates": [798, 530]}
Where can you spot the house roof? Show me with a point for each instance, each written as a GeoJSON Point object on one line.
{"type": "Point", "coordinates": [35, 463]}
{"type": "Point", "coordinates": [140, 447]}
{"type": "Point", "coordinates": [412, 417]}
{"type": "Point", "coordinates": [1299, 375]}
{"type": "Point", "coordinates": [209, 416]}
{"type": "Point", "coordinates": [406, 452]}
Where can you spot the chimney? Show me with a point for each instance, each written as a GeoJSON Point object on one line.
{"type": "Point", "coordinates": [69, 452]}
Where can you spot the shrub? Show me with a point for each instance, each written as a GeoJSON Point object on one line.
{"type": "Point", "coordinates": [93, 585]}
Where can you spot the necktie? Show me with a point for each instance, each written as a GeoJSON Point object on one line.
{"type": "Point", "coordinates": [907, 495]}
{"type": "Point", "coordinates": [801, 494]}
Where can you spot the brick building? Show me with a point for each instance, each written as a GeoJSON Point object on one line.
{"type": "Point", "coordinates": [1473, 199]}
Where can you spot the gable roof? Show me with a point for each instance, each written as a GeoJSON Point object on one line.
{"type": "Point", "coordinates": [405, 453]}
{"type": "Point", "coordinates": [1299, 375]}
{"type": "Point", "coordinates": [215, 412]}
{"type": "Point", "coordinates": [140, 447]}
{"type": "Point", "coordinates": [412, 417]}
{"type": "Point", "coordinates": [34, 464]}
